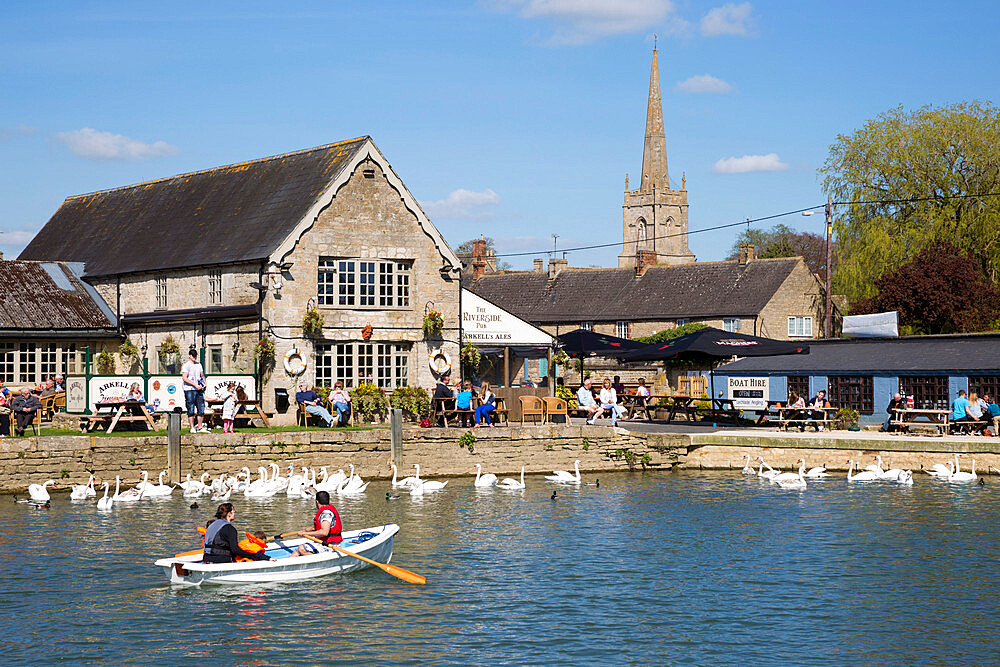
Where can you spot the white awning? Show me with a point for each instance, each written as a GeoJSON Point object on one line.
{"type": "Point", "coordinates": [487, 325]}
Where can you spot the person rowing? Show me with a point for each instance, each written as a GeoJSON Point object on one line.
{"type": "Point", "coordinates": [222, 542]}
{"type": "Point", "coordinates": [326, 526]}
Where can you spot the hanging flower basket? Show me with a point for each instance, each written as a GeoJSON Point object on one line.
{"type": "Point", "coordinates": [471, 358]}
{"type": "Point", "coordinates": [433, 323]}
{"type": "Point", "coordinates": [105, 363]}
{"type": "Point", "coordinates": [129, 353]}
{"type": "Point", "coordinates": [312, 323]}
{"type": "Point", "coordinates": [263, 352]}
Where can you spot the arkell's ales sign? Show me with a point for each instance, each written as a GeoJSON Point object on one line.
{"type": "Point", "coordinates": [749, 393]}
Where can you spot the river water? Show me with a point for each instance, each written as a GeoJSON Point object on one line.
{"type": "Point", "coordinates": [654, 568]}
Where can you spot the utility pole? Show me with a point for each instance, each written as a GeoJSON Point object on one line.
{"type": "Point", "coordinates": [827, 328]}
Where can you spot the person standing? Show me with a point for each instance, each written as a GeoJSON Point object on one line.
{"type": "Point", "coordinates": [193, 377]}
{"type": "Point", "coordinates": [341, 401]}
{"type": "Point", "coordinates": [326, 526]}
{"type": "Point", "coordinates": [222, 544]}
{"type": "Point", "coordinates": [229, 408]}
{"type": "Point", "coordinates": [992, 413]}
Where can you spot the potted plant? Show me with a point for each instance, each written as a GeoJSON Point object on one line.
{"type": "Point", "coordinates": [369, 402]}
{"type": "Point", "coordinates": [169, 354]}
{"type": "Point", "coordinates": [413, 401]}
{"type": "Point", "coordinates": [312, 323]}
{"type": "Point", "coordinates": [105, 363]}
{"type": "Point", "coordinates": [433, 323]}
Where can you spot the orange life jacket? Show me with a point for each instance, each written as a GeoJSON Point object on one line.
{"type": "Point", "coordinates": [251, 545]}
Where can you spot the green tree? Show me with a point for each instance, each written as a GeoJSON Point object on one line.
{"type": "Point", "coordinates": [783, 241]}
{"type": "Point", "coordinates": [670, 334]}
{"type": "Point", "coordinates": [913, 178]}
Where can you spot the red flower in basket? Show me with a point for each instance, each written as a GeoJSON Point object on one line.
{"type": "Point", "coordinates": [425, 423]}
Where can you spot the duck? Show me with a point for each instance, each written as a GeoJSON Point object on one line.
{"type": "Point", "coordinates": [553, 496]}
{"type": "Point", "coordinates": [428, 485]}
{"type": "Point", "coordinates": [39, 493]}
{"type": "Point", "coordinates": [862, 476]}
{"type": "Point", "coordinates": [563, 477]}
{"type": "Point", "coordinates": [512, 484]}
{"type": "Point", "coordinates": [959, 476]}
{"type": "Point", "coordinates": [489, 479]}
{"type": "Point", "coordinates": [82, 491]}
{"type": "Point", "coordinates": [106, 502]}
{"type": "Point", "coordinates": [405, 483]}
{"type": "Point", "coordinates": [747, 470]}
{"type": "Point", "coordinates": [132, 495]}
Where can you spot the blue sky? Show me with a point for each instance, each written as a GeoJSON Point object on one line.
{"type": "Point", "coordinates": [517, 119]}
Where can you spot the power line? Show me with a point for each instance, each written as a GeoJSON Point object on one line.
{"type": "Point", "coordinates": [910, 200]}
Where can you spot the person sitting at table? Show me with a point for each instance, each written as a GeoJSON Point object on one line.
{"type": "Point", "coordinates": [4, 390]}
{"type": "Point", "coordinates": [443, 399]}
{"type": "Point", "coordinates": [463, 401]}
{"type": "Point", "coordinates": [4, 415]}
{"type": "Point", "coordinates": [487, 405]}
{"type": "Point", "coordinates": [617, 385]}
{"type": "Point", "coordinates": [609, 401]}
{"type": "Point", "coordinates": [341, 401]}
{"type": "Point", "coordinates": [960, 416]}
{"type": "Point", "coordinates": [818, 401]}
{"type": "Point", "coordinates": [48, 388]}
{"type": "Point", "coordinates": [992, 413]}
{"type": "Point", "coordinates": [585, 401]}
{"type": "Point", "coordinates": [796, 401]}
{"type": "Point", "coordinates": [312, 403]}
{"type": "Point", "coordinates": [135, 394]}
{"type": "Point", "coordinates": [24, 408]}
{"type": "Point", "coordinates": [641, 397]}
{"type": "Point", "coordinates": [60, 383]}
{"type": "Point", "coordinates": [895, 402]}
{"type": "Point", "coordinates": [241, 398]}
{"type": "Point", "coordinates": [977, 409]}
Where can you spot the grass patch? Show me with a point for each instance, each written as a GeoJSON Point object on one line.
{"type": "Point", "coordinates": [117, 433]}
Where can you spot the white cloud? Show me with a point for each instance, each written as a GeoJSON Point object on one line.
{"type": "Point", "coordinates": [16, 237]}
{"type": "Point", "coordinates": [729, 19]}
{"type": "Point", "coordinates": [749, 163]}
{"type": "Point", "coordinates": [463, 203]}
{"type": "Point", "coordinates": [586, 21]}
{"type": "Point", "coordinates": [96, 145]}
{"type": "Point", "coordinates": [11, 132]}
{"type": "Point", "coordinates": [704, 83]}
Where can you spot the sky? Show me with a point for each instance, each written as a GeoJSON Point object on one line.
{"type": "Point", "coordinates": [514, 119]}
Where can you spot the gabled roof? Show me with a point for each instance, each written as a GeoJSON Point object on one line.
{"type": "Point", "coordinates": [223, 215]}
{"type": "Point", "coordinates": [49, 296]}
{"type": "Point", "coordinates": [698, 290]}
{"type": "Point", "coordinates": [967, 353]}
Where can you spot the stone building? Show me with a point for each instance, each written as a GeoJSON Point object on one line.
{"type": "Point", "coordinates": [219, 259]}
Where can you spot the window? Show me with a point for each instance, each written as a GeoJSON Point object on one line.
{"type": "Point", "coordinates": [928, 391]}
{"type": "Point", "coordinates": [215, 288]}
{"type": "Point", "coordinates": [852, 391]}
{"type": "Point", "coordinates": [161, 294]}
{"type": "Point", "coordinates": [27, 359]}
{"type": "Point", "coordinates": [800, 385]}
{"type": "Point", "coordinates": [800, 326]}
{"type": "Point", "coordinates": [48, 360]}
{"type": "Point", "coordinates": [981, 384]}
{"type": "Point", "coordinates": [731, 324]}
{"type": "Point", "coordinates": [7, 355]}
{"type": "Point", "coordinates": [384, 364]}
{"type": "Point", "coordinates": [72, 358]}
{"type": "Point", "coordinates": [587, 326]}
{"type": "Point", "coordinates": [623, 329]}
{"type": "Point", "coordinates": [215, 360]}
{"type": "Point", "coordinates": [681, 321]}
{"type": "Point", "coordinates": [363, 283]}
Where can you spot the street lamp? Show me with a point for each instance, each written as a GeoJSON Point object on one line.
{"type": "Point", "coordinates": [827, 331]}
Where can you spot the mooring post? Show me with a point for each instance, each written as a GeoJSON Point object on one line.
{"type": "Point", "coordinates": [174, 447]}
{"type": "Point", "coordinates": [396, 436]}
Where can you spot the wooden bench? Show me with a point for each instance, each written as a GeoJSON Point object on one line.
{"type": "Point", "coordinates": [783, 424]}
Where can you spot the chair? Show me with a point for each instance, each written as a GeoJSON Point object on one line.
{"type": "Point", "coordinates": [555, 406]}
{"type": "Point", "coordinates": [302, 417]}
{"type": "Point", "coordinates": [59, 403]}
{"type": "Point", "coordinates": [532, 406]}
{"type": "Point", "coordinates": [34, 425]}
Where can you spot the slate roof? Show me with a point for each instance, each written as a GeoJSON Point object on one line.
{"type": "Point", "coordinates": [49, 296]}
{"type": "Point", "coordinates": [966, 353]}
{"type": "Point", "coordinates": [699, 290]}
{"type": "Point", "coordinates": [227, 214]}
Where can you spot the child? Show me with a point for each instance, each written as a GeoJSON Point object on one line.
{"type": "Point", "coordinates": [463, 400]}
{"type": "Point", "coordinates": [229, 408]}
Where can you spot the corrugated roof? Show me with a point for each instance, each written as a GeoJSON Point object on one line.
{"type": "Point", "coordinates": [227, 214]}
{"type": "Point", "coordinates": [978, 353]}
{"type": "Point", "coordinates": [698, 290]}
{"type": "Point", "coordinates": [32, 299]}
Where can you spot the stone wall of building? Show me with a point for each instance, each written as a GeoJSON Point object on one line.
{"type": "Point", "coordinates": [800, 295]}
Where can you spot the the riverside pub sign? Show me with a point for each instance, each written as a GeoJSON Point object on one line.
{"type": "Point", "coordinates": [749, 393]}
{"type": "Point", "coordinates": [487, 325]}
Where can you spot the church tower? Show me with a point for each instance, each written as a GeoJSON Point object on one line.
{"type": "Point", "coordinates": [655, 217]}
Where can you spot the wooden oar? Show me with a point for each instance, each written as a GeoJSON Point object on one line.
{"type": "Point", "coordinates": [399, 572]}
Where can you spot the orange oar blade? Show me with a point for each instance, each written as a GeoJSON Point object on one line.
{"type": "Point", "coordinates": [405, 575]}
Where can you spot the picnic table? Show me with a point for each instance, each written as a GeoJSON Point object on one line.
{"type": "Point", "coordinates": [937, 418]}
{"type": "Point", "coordinates": [444, 409]}
{"type": "Point", "coordinates": [250, 409]}
{"type": "Point", "coordinates": [110, 413]}
{"type": "Point", "coordinates": [803, 417]}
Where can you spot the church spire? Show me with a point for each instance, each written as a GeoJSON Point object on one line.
{"type": "Point", "coordinates": [654, 151]}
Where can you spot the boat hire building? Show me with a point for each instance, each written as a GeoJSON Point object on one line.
{"type": "Point", "coordinates": [222, 258]}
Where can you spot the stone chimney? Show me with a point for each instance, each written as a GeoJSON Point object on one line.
{"type": "Point", "coordinates": [556, 265]}
{"type": "Point", "coordinates": [746, 253]}
{"type": "Point", "coordinates": [478, 258]}
{"type": "Point", "coordinates": [539, 265]}
{"type": "Point", "coordinates": [643, 260]}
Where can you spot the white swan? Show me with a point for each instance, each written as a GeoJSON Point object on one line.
{"type": "Point", "coordinates": [222, 491]}
{"type": "Point", "coordinates": [428, 485]}
{"type": "Point", "coordinates": [296, 482]}
{"type": "Point", "coordinates": [132, 495]}
{"type": "Point", "coordinates": [405, 483]}
{"type": "Point", "coordinates": [905, 477]}
{"type": "Point", "coordinates": [796, 482]}
{"type": "Point", "coordinates": [564, 477]}
{"type": "Point", "coordinates": [105, 503]}
{"type": "Point", "coordinates": [512, 484]}
{"type": "Point", "coordinates": [160, 489]}
{"type": "Point", "coordinates": [81, 491]}
{"type": "Point", "coordinates": [747, 470]}
{"type": "Point", "coordinates": [771, 472]}
{"type": "Point", "coordinates": [39, 492]}
{"type": "Point", "coordinates": [489, 479]}
{"type": "Point", "coordinates": [350, 487]}
{"type": "Point", "coordinates": [877, 466]}
{"type": "Point", "coordinates": [863, 476]}
{"type": "Point", "coordinates": [144, 486]}
{"type": "Point", "coordinates": [959, 476]}
{"type": "Point", "coordinates": [330, 484]}
{"type": "Point", "coordinates": [817, 473]}
{"type": "Point", "coordinates": [939, 470]}
{"type": "Point", "coordinates": [789, 476]}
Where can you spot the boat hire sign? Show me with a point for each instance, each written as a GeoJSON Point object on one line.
{"type": "Point", "coordinates": [487, 325]}
{"type": "Point", "coordinates": [748, 393]}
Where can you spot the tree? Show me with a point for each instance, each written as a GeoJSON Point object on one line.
{"type": "Point", "coordinates": [941, 290]}
{"type": "Point", "coordinates": [670, 334]}
{"type": "Point", "coordinates": [783, 241]}
{"type": "Point", "coordinates": [465, 248]}
{"type": "Point", "coordinates": [912, 179]}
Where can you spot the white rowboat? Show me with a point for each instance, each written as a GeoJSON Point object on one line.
{"type": "Point", "coordinates": [374, 543]}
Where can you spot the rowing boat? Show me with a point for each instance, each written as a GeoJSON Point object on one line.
{"type": "Point", "coordinates": [374, 543]}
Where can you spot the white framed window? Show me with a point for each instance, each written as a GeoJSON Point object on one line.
{"type": "Point", "coordinates": [363, 283]}
{"type": "Point", "coordinates": [681, 321]}
{"type": "Point", "coordinates": [48, 360]}
{"type": "Point", "coordinates": [384, 364]}
{"type": "Point", "coordinates": [215, 360]}
{"type": "Point", "coordinates": [215, 288]}
{"type": "Point", "coordinates": [7, 361]}
{"type": "Point", "coordinates": [800, 326]}
{"type": "Point", "coordinates": [27, 363]}
{"type": "Point", "coordinates": [161, 294]}
{"type": "Point", "coordinates": [587, 326]}
{"type": "Point", "coordinates": [731, 324]}
{"type": "Point", "coordinates": [623, 329]}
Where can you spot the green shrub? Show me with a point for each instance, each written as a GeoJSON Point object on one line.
{"type": "Point", "coordinates": [369, 402]}
{"type": "Point", "coordinates": [312, 323]}
{"type": "Point", "coordinates": [567, 394]}
{"type": "Point", "coordinates": [415, 402]}
{"type": "Point", "coordinates": [846, 418]}
{"type": "Point", "coordinates": [105, 363]}
{"type": "Point", "coordinates": [129, 353]}
{"type": "Point", "coordinates": [468, 440]}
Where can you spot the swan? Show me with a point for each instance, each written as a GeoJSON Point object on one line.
{"type": "Point", "coordinates": [105, 503]}
{"type": "Point", "coordinates": [817, 473]}
{"type": "Point", "coordinates": [280, 483]}
{"type": "Point", "coordinates": [863, 476]}
{"type": "Point", "coordinates": [295, 483]}
{"type": "Point", "coordinates": [747, 470]}
{"type": "Point", "coordinates": [788, 476]}
{"type": "Point", "coordinates": [939, 470]}
{"type": "Point", "coordinates": [160, 489]}
{"type": "Point", "coordinates": [81, 491]}
{"type": "Point", "coordinates": [428, 485]}
{"type": "Point", "coordinates": [241, 485]}
{"type": "Point", "coordinates": [877, 466]}
{"type": "Point", "coordinates": [405, 483]}
{"type": "Point", "coordinates": [512, 484]}
{"type": "Point", "coordinates": [892, 474]}
{"type": "Point", "coordinates": [330, 484]}
{"type": "Point", "coordinates": [905, 477]}
{"type": "Point", "coordinates": [489, 479]}
{"type": "Point", "coordinates": [798, 481]}
{"type": "Point", "coordinates": [771, 472]}
{"type": "Point", "coordinates": [959, 476]}
{"type": "Point", "coordinates": [222, 492]}
{"type": "Point", "coordinates": [564, 477]}
{"type": "Point", "coordinates": [129, 496]}
{"type": "Point", "coordinates": [144, 486]}
{"type": "Point", "coordinates": [350, 488]}
{"type": "Point", "coordinates": [39, 492]}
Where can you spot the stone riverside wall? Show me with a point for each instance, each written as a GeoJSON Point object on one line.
{"type": "Point", "coordinates": [501, 451]}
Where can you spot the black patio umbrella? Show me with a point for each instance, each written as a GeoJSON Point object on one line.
{"type": "Point", "coordinates": [582, 343]}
